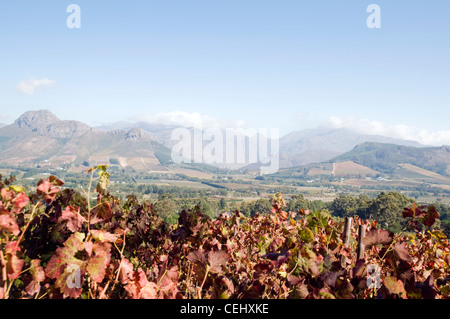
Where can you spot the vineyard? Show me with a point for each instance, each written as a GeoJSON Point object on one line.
{"type": "Point", "coordinates": [58, 243]}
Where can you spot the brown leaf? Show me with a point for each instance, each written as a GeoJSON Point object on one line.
{"type": "Point", "coordinates": [378, 236]}
{"type": "Point", "coordinates": [401, 250]}
{"type": "Point", "coordinates": [430, 216]}
{"type": "Point", "coordinates": [217, 260]}
{"type": "Point", "coordinates": [395, 286]}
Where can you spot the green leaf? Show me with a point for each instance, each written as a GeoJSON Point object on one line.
{"type": "Point", "coordinates": [306, 235]}
{"type": "Point", "coordinates": [103, 181]}
{"type": "Point", "coordinates": [16, 188]}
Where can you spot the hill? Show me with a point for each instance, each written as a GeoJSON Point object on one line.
{"type": "Point", "coordinates": [388, 158]}
{"type": "Point", "coordinates": [323, 144]}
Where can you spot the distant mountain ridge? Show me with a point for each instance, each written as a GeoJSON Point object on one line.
{"type": "Point", "coordinates": [296, 148]}
{"type": "Point", "coordinates": [38, 137]}
{"type": "Point", "coordinates": [323, 144]}
{"type": "Point", "coordinates": [386, 158]}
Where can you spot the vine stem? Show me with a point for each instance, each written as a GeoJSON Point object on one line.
{"type": "Point", "coordinates": [4, 277]}
{"type": "Point", "coordinates": [28, 224]}
{"type": "Point", "coordinates": [204, 280]}
{"type": "Point", "coordinates": [120, 265]}
{"type": "Point", "coordinates": [89, 201]}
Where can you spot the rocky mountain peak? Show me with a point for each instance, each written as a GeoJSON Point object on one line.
{"type": "Point", "coordinates": [36, 120]}
{"type": "Point", "coordinates": [46, 123]}
{"type": "Point", "coordinates": [135, 133]}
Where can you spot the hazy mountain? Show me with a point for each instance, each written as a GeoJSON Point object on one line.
{"type": "Point", "coordinates": [322, 144]}
{"type": "Point", "coordinates": [159, 132]}
{"type": "Point", "coordinates": [2, 124]}
{"type": "Point", "coordinates": [386, 158]}
{"type": "Point", "coordinates": [39, 137]}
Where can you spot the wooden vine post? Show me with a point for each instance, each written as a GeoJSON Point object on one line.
{"type": "Point", "coordinates": [361, 246]}
{"type": "Point", "coordinates": [346, 237]}
{"type": "Point", "coordinates": [347, 229]}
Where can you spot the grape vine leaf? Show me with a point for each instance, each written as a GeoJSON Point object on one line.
{"type": "Point", "coordinates": [103, 236]}
{"type": "Point", "coordinates": [395, 286]}
{"type": "Point", "coordinates": [73, 218]}
{"type": "Point", "coordinates": [102, 213]}
{"type": "Point", "coordinates": [430, 216]}
{"type": "Point", "coordinates": [13, 263]}
{"type": "Point", "coordinates": [63, 263]}
{"type": "Point", "coordinates": [38, 275]}
{"type": "Point", "coordinates": [20, 201]}
{"type": "Point", "coordinates": [96, 265]}
{"type": "Point", "coordinates": [49, 188]}
{"type": "Point", "coordinates": [378, 236]}
{"type": "Point", "coordinates": [401, 250]}
{"type": "Point", "coordinates": [9, 223]}
{"type": "Point", "coordinates": [216, 260]}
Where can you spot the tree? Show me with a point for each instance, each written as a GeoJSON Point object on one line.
{"type": "Point", "coordinates": [387, 209]}
{"type": "Point", "coordinates": [166, 209]}
{"type": "Point", "coordinates": [223, 204]}
{"type": "Point", "coordinates": [297, 202]}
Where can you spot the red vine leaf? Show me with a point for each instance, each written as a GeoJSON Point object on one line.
{"type": "Point", "coordinates": [73, 218]}
{"type": "Point", "coordinates": [430, 216]}
{"type": "Point", "coordinates": [64, 266]}
{"type": "Point", "coordinates": [13, 263]}
{"type": "Point", "coordinates": [102, 213]}
{"type": "Point", "coordinates": [96, 265]}
{"type": "Point", "coordinates": [126, 271]}
{"type": "Point", "coordinates": [20, 201]}
{"type": "Point", "coordinates": [49, 188]}
{"type": "Point", "coordinates": [9, 223]}
{"type": "Point", "coordinates": [38, 275]}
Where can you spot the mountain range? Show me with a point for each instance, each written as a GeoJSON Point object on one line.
{"type": "Point", "coordinates": [41, 138]}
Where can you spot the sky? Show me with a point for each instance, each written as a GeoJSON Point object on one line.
{"type": "Point", "coordinates": [286, 64]}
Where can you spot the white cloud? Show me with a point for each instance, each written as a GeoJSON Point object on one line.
{"type": "Point", "coordinates": [186, 119]}
{"type": "Point", "coordinates": [29, 86]}
{"type": "Point", "coordinates": [401, 131]}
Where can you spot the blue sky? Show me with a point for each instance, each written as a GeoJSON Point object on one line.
{"type": "Point", "coordinates": [269, 64]}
